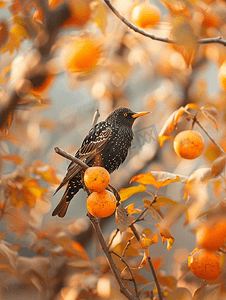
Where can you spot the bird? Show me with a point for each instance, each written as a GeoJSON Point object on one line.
{"type": "Point", "coordinates": [106, 145]}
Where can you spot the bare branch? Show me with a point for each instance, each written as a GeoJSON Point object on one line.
{"type": "Point", "coordinates": [111, 261]}
{"type": "Point", "coordinates": [212, 140]}
{"type": "Point", "coordinates": [131, 273]}
{"type": "Point", "coordinates": [95, 117]}
{"type": "Point", "coordinates": [133, 228]}
{"type": "Point", "coordinates": [218, 40]}
{"type": "Point", "coordinates": [135, 28]}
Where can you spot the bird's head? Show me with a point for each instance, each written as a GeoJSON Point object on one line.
{"type": "Point", "coordinates": [124, 116]}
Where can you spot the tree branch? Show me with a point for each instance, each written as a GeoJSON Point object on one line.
{"type": "Point", "coordinates": [111, 261]}
{"type": "Point", "coordinates": [71, 157]}
{"type": "Point", "coordinates": [218, 40]}
{"type": "Point", "coordinates": [212, 140]}
{"type": "Point", "coordinates": [131, 273]}
{"type": "Point", "coordinates": [133, 228]}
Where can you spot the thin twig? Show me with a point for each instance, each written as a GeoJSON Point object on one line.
{"type": "Point", "coordinates": [95, 117]}
{"type": "Point", "coordinates": [126, 247]}
{"type": "Point", "coordinates": [131, 273]}
{"type": "Point", "coordinates": [155, 277]}
{"type": "Point", "coordinates": [157, 38]}
{"type": "Point", "coordinates": [112, 239]}
{"type": "Point", "coordinates": [133, 228]}
{"type": "Point", "coordinates": [212, 140]}
{"type": "Point", "coordinates": [144, 211]}
{"type": "Point", "coordinates": [115, 192]}
{"type": "Point", "coordinates": [111, 261]}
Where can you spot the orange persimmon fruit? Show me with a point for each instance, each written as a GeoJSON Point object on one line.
{"type": "Point", "coordinates": [205, 264]}
{"type": "Point", "coordinates": [145, 15]}
{"type": "Point", "coordinates": [102, 204]}
{"type": "Point", "coordinates": [188, 144]}
{"type": "Point", "coordinates": [96, 179]}
{"type": "Point", "coordinates": [82, 55]}
{"type": "Point", "coordinates": [211, 234]}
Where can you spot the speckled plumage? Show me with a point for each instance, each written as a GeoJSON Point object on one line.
{"type": "Point", "coordinates": [106, 144]}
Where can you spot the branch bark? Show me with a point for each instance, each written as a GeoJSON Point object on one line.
{"type": "Point", "coordinates": [218, 40]}
{"type": "Point", "coordinates": [111, 261]}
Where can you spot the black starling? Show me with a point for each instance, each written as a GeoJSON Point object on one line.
{"type": "Point", "coordinates": [106, 145]}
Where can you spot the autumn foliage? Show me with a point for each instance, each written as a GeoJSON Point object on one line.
{"type": "Point", "coordinates": [60, 61]}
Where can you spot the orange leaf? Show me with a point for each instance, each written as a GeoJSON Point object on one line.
{"type": "Point", "coordinates": [99, 15]}
{"type": "Point", "coordinates": [218, 166]}
{"type": "Point", "coordinates": [186, 40]}
{"type": "Point", "coordinates": [2, 4]}
{"type": "Point", "coordinates": [164, 138]}
{"type": "Point", "coordinates": [155, 215]}
{"type": "Point", "coordinates": [144, 259]}
{"type": "Point", "coordinates": [198, 177]}
{"type": "Point", "coordinates": [177, 7]}
{"type": "Point", "coordinates": [169, 126]}
{"type": "Point", "coordinates": [212, 118]}
{"type": "Point", "coordinates": [149, 238]}
{"type": "Point", "coordinates": [165, 200]}
{"type": "Point", "coordinates": [46, 172]}
{"type": "Point", "coordinates": [150, 179]}
{"type": "Point", "coordinates": [4, 32]}
{"type": "Point", "coordinates": [210, 109]}
{"type": "Point", "coordinates": [128, 192]}
{"type": "Point", "coordinates": [157, 262]}
{"type": "Point", "coordinates": [166, 235]}
{"type": "Point", "coordinates": [13, 157]}
{"type": "Point", "coordinates": [33, 187]}
{"type": "Point", "coordinates": [191, 106]}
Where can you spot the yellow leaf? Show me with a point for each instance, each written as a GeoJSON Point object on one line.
{"type": "Point", "coordinates": [155, 215]}
{"type": "Point", "coordinates": [165, 200]}
{"type": "Point", "coordinates": [169, 126]}
{"type": "Point", "coordinates": [166, 235]}
{"type": "Point", "coordinates": [129, 208]}
{"type": "Point", "coordinates": [18, 31]}
{"type": "Point", "coordinates": [99, 15]}
{"type": "Point", "coordinates": [191, 106]}
{"type": "Point", "coordinates": [46, 172]}
{"type": "Point", "coordinates": [149, 238]}
{"type": "Point", "coordinates": [128, 192]}
{"type": "Point", "coordinates": [150, 180]}
{"type": "Point", "coordinates": [2, 4]}
{"type": "Point", "coordinates": [210, 108]}
{"type": "Point", "coordinates": [218, 166]}
{"type": "Point", "coordinates": [164, 138]}
{"type": "Point", "coordinates": [212, 118]}
{"type": "Point", "coordinates": [186, 40]}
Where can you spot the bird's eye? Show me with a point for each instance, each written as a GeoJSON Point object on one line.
{"type": "Point", "coordinates": [125, 114]}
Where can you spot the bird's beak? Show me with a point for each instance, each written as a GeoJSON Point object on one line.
{"type": "Point", "coordinates": [143, 113]}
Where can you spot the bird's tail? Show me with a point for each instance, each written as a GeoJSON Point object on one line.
{"type": "Point", "coordinates": [62, 207]}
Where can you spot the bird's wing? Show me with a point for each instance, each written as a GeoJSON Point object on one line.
{"type": "Point", "coordinates": [86, 153]}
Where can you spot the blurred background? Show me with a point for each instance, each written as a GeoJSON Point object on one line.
{"type": "Point", "coordinates": [131, 70]}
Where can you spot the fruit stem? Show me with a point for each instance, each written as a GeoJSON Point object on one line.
{"type": "Point", "coordinates": [212, 140]}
